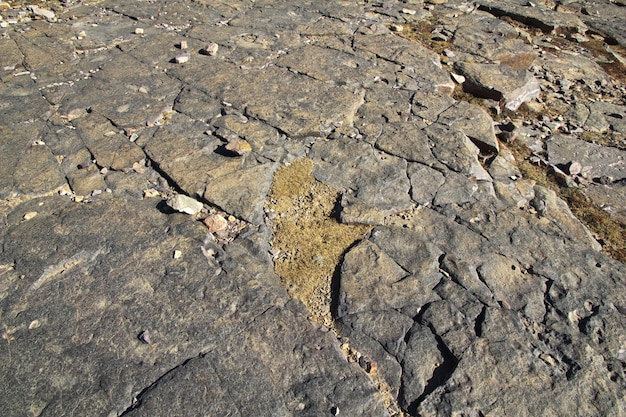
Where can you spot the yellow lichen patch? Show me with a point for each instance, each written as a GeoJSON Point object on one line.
{"type": "Point", "coordinates": [308, 240]}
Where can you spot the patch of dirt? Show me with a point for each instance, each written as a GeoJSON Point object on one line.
{"type": "Point", "coordinates": [422, 32]}
{"type": "Point", "coordinates": [308, 241]}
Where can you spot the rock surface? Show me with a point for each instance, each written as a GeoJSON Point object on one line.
{"type": "Point", "coordinates": [480, 147]}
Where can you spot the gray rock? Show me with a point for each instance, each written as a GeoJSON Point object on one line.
{"type": "Point", "coordinates": [406, 141]}
{"type": "Point", "coordinates": [425, 183]}
{"type": "Point", "coordinates": [606, 116]}
{"type": "Point", "coordinates": [113, 304]}
{"type": "Point", "coordinates": [184, 303]}
{"type": "Point", "coordinates": [466, 275]}
{"type": "Point", "coordinates": [474, 122]}
{"type": "Point", "coordinates": [454, 149]}
{"type": "Point", "coordinates": [489, 37]}
{"type": "Point", "coordinates": [509, 86]}
{"type": "Point", "coordinates": [368, 278]}
{"type": "Point", "coordinates": [109, 147]}
{"type": "Point", "coordinates": [428, 106]}
{"type": "Point", "coordinates": [242, 192]}
{"type": "Point", "coordinates": [423, 67]}
{"type": "Point", "coordinates": [456, 189]}
{"type": "Point", "coordinates": [84, 181]}
{"type": "Point", "coordinates": [574, 69]}
{"type": "Point", "coordinates": [542, 17]}
{"type": "Point", "coordinates": [421, 362]}
{"type": "Point", "coordinates": [378, 179]}
{"type": "Point", "coordinates": [356, 211]}
{"type": "Point", "coordinates": [604, 161]}
{"type": "Point", "coordinates": [512, 287]}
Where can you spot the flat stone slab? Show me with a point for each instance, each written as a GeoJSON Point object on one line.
{"type": "Point", "coordinates": [600, 161]}
{"type": "Point", "coordinates": [140, 259]}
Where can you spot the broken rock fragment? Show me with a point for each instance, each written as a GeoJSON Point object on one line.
{"type": "Point", "coordinates": [184, 204]}
{"type": "Point", "coordinates": [509, 86]}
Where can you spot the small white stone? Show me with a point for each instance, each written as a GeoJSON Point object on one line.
{"type": "Point", "coordinates": [182, 58]}
{"type": "Point", "coordinates": [39, 11]}
{"type": "Point", "coordinates": [459, 79]}
{"type": "Point", "coordinates": [183, 45]}
{"type": "Point", "coordinates": [138, 31]}
{"type": "Point", "coordinates": [408, 11]}
{"type": "Point", "coordinates": [177, 254]}
{"type": "Point", "coordinates": [184, 204]}
{"type": "Point", "coordinates": [29, 215]}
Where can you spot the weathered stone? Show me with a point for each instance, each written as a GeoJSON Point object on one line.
{"type": "Point", "coordinates": [456, 189]}
{"type": "Point", "coordinates": [377, 179]}
{"type": "Point", "coordinates": [119, 305]}
{"type": "Point", "coordinates": [574, 68]}
{"type": "Point", "coordinates": [242, 192]}
{"type": "Point", "coordinates": [606, 116]}
{"type": "Point", "coordinates": [474, 122]}
{"type": "Point", "coordinates": [428, 106]}
{"type": "Point", "coordinates": [609, 198]}
{"type": "Point", "coordinates": [509, 86]}
{"type": "Point", "coordinates": [544, 18]}
{"type": "Point", "coordinates": [491, 38]}
{"type": "Point", "coordinates": [603, 161]}
{"type": "Point", "coordinates": [184, 204]}
{"type": "Point", "coordinates": [503, 167]}
{"type": "Point", "coordinates": [355, 211]}
{"type": "Point", "coordinates": [197, 104]}
{"type": "Point", "coordinates": [466, 275]}
{"type": "Point", "coordinates": [327, 64]}
{"type": "Point", "coordinates": [85, 181]}
{"type": "Point", "coordinates": [38, 171]}
{"type": "Point", "coordinates": [422, 67]}
{"type": "Point", "coordinates": [368, 276]}
{"type": "Point", "coordinates": [454, 149]}
{"type": "Point", "coordinates": [409, 251]}
{"type": "Point", "coordinates": [425, 182]}
{"type": "Point", "coordinates": [11, 55]}
{"type": "Point", "coordinates": [107, 144]}
{"type": "Point", "coordinates": [20, 101]}
{"type": "Point", "coordinates": [511, 286]}
{"type": "Point", "coordinates": [406, 141]}
{"type": "Point", "coordinates": [421, 360]}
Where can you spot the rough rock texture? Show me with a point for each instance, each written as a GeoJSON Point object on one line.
{"type": "Point", "coordinates": [481, 144]}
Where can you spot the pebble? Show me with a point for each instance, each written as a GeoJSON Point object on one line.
{"type": "Point", "coordinates": [216, 223]}
{"type": "Point", "coordinates": [177, 254]}
{"type": "Point", "coordinates": [459, 79]}
{"type": "Point", "coordinates": [45, 13]}
{"type": "Point", "coordinates": [210, 49]}
{"type": "Point", "coordinates": [150, 193]}
{"type": "Point", "coordinates": [574, 168]}
{"type": "Point", "coordinates": [144, 337]}
{"type": "Point", "coordinates": [184, 204]}
{"type": "Point", "coordinates": [138, 31]}
{"type": "Point", "coordinates": [182, 58]}
{"type": "Point", "coordinates": [238, 146]}
{"type": "Point", "coordinates": [29, 215]}
{"type": "Point", "coordinates": [396, 28]}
